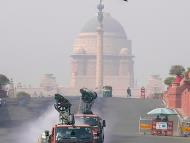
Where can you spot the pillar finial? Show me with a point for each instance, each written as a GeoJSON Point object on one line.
{"type": "Point", "coordinates": [100, 12]}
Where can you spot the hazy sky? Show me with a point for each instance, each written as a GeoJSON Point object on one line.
{"type": "Point", "coordinates": [36, 36]}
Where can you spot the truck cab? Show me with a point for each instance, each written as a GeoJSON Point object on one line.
{"type": "Point", "coordinates": [95, 122]}
{"type": "Point", "coordinates": [68, 134]}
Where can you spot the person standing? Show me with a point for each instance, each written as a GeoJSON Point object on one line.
{"type": "Point", "coordinates": [128, 92]}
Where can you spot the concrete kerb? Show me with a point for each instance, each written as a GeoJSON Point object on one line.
{"type": "Point", "coordinates": [180, 116]}
{"type": "Point", "coordinates": [180, 120]}
{"type": "Point", "coordinates": [164, 103]}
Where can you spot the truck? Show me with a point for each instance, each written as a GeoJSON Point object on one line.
{"type": "Point", "coordinates": [86, 116]}
{"type": "Point", "coordinates": [107, 91]}
{"type": "Point", "coordinates": [66, 131]}
{"type": "Point", "coordinates": [95, 122]}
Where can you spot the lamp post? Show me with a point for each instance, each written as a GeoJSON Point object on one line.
{"type": "Point", "coordinates": [99, 49]}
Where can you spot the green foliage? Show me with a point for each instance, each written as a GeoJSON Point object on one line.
{"type": "Point", "coordinates": [23, 98]}
{"type": "Point", "coordinates": [177, 70]}
{"type": "Point", "coordinates": [168, 81]}
{"type": "Point", "coordinates": [3, 80]}
{"type": "Point", "coordinates": [187, 73]}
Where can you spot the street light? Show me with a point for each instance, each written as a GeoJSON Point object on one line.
{"type": "Point", "coordinates": [99, 50]}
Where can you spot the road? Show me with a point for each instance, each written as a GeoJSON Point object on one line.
{"type": "Point", "coordinates": [121, 115]}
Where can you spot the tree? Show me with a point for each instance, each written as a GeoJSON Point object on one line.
{"type": "Point", "coordinates": [177, 70]}
{"type": "Point", "coordinates": [168, 81]}
{"type": "Point", "coordinates": [187, 73]}
{"type": "Point", "coordinates": [23, 98]}
{"type": "Point", "coordinates": [3, 80]}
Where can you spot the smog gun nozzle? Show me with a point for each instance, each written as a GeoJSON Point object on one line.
{"type": "Point", "coordinates": [87, 100]}
{"type": "Point", "coordinates": [63, 106]}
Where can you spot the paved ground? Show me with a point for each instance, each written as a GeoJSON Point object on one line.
{"type": "Point", "coordinates": [122, 116]}
{"type": "Point", "coordinates": [122, 121]}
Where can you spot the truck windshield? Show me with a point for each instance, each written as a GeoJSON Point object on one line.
{"type": "Point", "coordinates": [91, 121]}
{"type": "Point", "coordinates": [73, 134]}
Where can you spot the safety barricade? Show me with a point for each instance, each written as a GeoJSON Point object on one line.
{"type": "Point", "coordinates": [160, 128]}
{"type": "Point", "coordinates": [145, 125]}
{"type": "Point", "coordinates": [185, 128]}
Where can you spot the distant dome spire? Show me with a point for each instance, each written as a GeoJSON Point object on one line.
{"type": "Point", "coordinates": [100, 12]}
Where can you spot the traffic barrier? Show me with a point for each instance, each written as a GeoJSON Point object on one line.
{"type": "Point", "coordinates": [145, 125]}
{"type": "Point", "coordinates": [185, 128]}
{"type": "Point", "coordinates": [160, 128]}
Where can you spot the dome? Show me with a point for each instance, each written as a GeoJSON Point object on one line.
{"type": "Point", "coordinates": [114, 38]}
{"type": "Point", "coordinates": [124, 52]}
{"type": "Point", "coordinates": [109, 23]}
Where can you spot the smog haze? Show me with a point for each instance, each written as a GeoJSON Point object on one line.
{"type": "Point", "coordinates": [36, 36]}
